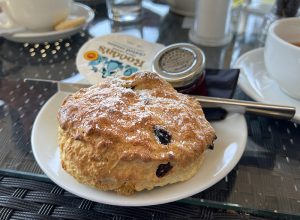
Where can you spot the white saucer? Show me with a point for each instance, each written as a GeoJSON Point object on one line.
{"type": "Point", "coordinates": [38, 37]}
{"type": "Point", "coordinates": [256, 83]}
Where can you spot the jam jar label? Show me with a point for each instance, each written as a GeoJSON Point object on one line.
{"type": "Point", "coordinates": [177, 60]}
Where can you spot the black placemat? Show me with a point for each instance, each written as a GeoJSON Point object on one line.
{"type": "Point", "coordinates": [220, 83]}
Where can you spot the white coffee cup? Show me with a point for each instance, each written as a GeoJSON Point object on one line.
{"type": "Point", "coordinates": [36, 15]}
{"type": "Point", "coordinates": [282, 58]}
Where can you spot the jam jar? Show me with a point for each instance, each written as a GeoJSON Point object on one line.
{"type": "Point", "coordinates": [182, 65]}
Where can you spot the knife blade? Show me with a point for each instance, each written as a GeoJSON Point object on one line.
{"type": "Point", "coordinates": [230, 105]}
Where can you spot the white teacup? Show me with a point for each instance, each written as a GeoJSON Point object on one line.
{"type": "Point", "coordinates": [36, 15]}
{"type": "Point", "coordinates": [282, 57]}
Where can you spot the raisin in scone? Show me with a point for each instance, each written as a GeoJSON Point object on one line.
{"type": "Point", "coordinates": [132, 133]}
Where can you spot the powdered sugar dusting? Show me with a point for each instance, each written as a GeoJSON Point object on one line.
{"type": "Point", "coordinates": [126, 110]}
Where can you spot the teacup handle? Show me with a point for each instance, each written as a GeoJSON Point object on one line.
{"type": "Point", "coordinates": [10, 26]}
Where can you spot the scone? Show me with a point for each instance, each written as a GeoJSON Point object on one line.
{"type": "Point", "coordinates": [132, 133]}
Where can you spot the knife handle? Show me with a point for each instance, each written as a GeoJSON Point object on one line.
{"type": "Point", "coordinates": [234, 105]}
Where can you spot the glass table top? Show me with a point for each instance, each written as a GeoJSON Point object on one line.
{"type": "Point", "coordinates": [265, 181]}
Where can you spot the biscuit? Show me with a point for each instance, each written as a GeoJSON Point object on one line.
{"type": "Point", "coordinates": [131, 134]}
{"type": "Point", "coordinates": [69, 23]}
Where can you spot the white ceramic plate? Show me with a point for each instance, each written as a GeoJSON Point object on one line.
{"type": "Point", "coordinates": [229, 147]}
{"type": "Point", "coordinates": [38, 37]}
{"type": "Point", "coordinates": [255, 81]}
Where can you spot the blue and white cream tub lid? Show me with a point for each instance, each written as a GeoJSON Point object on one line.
{"type": "Point", "coordinates": [115, 55]}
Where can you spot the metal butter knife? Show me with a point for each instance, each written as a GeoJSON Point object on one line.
{"type": "Point", "coordinates": [258, 108]}
{"type": "Point", "coordinates": [230, 105]}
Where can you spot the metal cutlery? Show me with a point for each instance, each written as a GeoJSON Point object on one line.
{"type": "Point", "coordinates": [230, 105]}
{"type": "Point", "coordinates": [234, 105]}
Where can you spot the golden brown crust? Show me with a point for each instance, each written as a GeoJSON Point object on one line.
{"type": "Point", "coordinates": [107, 134]}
